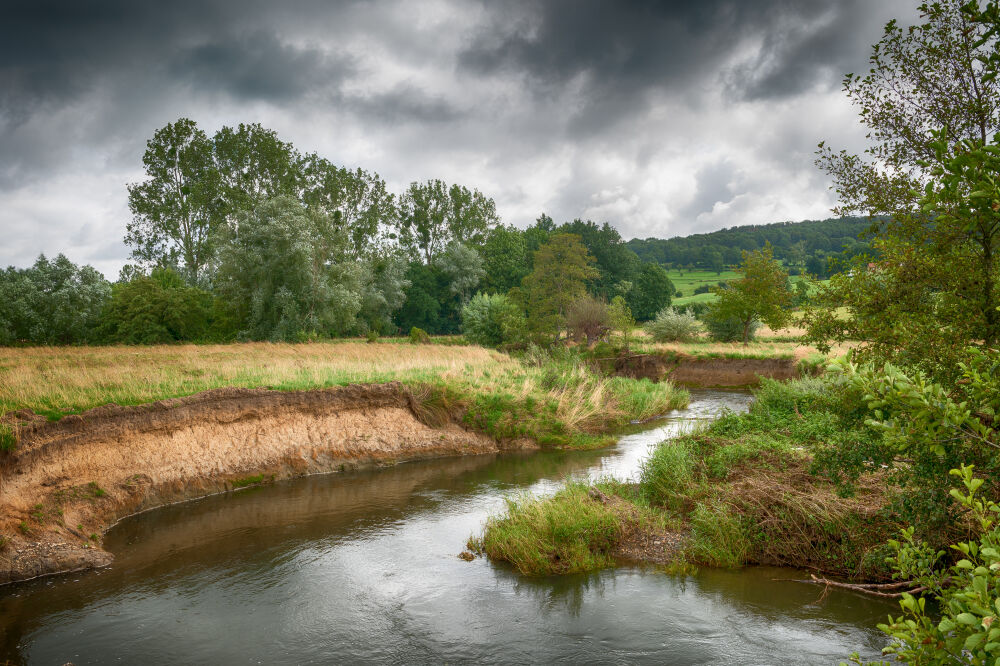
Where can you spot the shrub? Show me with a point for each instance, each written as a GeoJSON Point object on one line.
{"type": "Point", "coordinates": [673, 325]}
{"type": "Point", "coordinates": [156, 309]}
{"type": "Point", "coordinates": [493, 320]}
{"type": "Point", "coordinates": [588, 318]}
{"type": "Point", "coordinates": [725, 328]}
{"type": "Point", "coordinates": [418, 336]}
{"type": "Point", "coordinates": [679, 294]}
{"type": "Point", "coordinates": [703, 289]}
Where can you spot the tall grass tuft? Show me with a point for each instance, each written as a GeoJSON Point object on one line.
{"type": "Point", "coordinates": [566, 533]}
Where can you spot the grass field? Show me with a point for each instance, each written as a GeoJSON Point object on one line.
{"type": "Point", "coordinates": [687, 281]}
{"type": "Point", "coordinates": [554, 400]}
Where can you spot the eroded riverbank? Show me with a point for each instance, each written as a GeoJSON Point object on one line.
{"type": "Point", "coordinates": [361, 567]}
{"type": "Point", "coordinates": [69, 480]}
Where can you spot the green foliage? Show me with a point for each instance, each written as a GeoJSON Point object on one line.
{"type": "Point", "coordinates": [761, 295]}
{"type": "Point", "coordinates": [418, 336]}
{"type": "Point", "coordinates": [8, 438]}
{"type": "Point", "coordinates": [667, 474]}
{"type": "Point", "coordinates": [620, 319]}
{"type": "Point", "coordinates": [433, 215]}
{"type": "Point", "coordinates": [958, 628]}
{"type": "Point", "coordinates": [651, 291]}
{"type": "Point", "coordinates": [728, 328]}
{"type": "Point", "coordinates": [53, 302]}
{"type": "Point", "coordinates": [505, 259]}
{"type": "Point", "coordinates": [673, 325]}
{"type": "Point", "coordinates": [160, 308]}
{"type": "Point", "coordinates": [930, 427]}
{"type": "Point", "coordinates": [930, 104]}
{"type": "Point", "coordinates": [615, 263]}
{"type": "Point", "coordinates": [820, 238]}
{"type": "Point", "coordinates": [175, 210]}
{"type": "Point", "coordinates": [285, 273]}
{"type": "Point", "coordinates": [562, 267]}
{"type": "Point", "coordinates": [247, 481]}
{"type": "Point", "coordinates": [588, 318]}
{"type": "Point", "coordinates": [463, 267]}
{"type": "Point", "coordinates": [493, 320]}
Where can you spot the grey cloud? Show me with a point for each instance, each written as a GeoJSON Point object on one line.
{"type": "Point", "coordinates": [714, 185]}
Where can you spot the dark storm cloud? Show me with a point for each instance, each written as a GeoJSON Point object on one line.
{"type": "Point", "coordinates": [645, 114]}
{"type": "Point", "coordinates": [622, 51]}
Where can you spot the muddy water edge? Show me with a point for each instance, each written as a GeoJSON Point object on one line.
{"type": "Point", "coordinates": [362, 567]}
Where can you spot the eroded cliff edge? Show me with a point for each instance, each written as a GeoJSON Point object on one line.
{"type": "Point", "coordinates": [69, 480]}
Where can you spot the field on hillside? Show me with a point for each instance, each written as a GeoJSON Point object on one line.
{"type": "Point", "coordinates": [687, 281]}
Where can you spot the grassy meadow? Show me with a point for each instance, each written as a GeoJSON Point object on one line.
{"type": "Point", "coordinates": [553, 399]}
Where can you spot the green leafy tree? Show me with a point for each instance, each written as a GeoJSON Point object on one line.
{"type": "Point", "coordinates": [505, 259]}
{"type": "Point", "coordinates": [762, 294]}
{"type": "Point", "coordinates": [356, 200]}
{"type": "Point", "coordinates": [562, 267]}
{"type": "Point", "coordinates": [383, 291]}
{"type": "Point", "coordinates": [286, 272]}
{"type": "Point", "coordinates": [154, 309]}
{"type": "Point", "coordinates": [254, 166]}
{"type": "Point", "coordinates": [432, 215]}
{"type": "Point", "coordinates": [931, 106]}
{"type": "Point", "coordinates": [613, 259]}
{"type": "Point", "coordinates": [176, 208]}
{"type": "Point", "coordinates": [463, 267]}
{"type": "Point", "coordinates": [52, 302]}
{"type": "Point", "coordinates": [426, 304]}
{"type": "Point", "coordinates": [493, 320]}
{"type": "Point", "coordinates": [932, 77]}
{"type": "Point", "coordinates": [651, 291]}
{"type": "Point", "coordinates": [621, 319]}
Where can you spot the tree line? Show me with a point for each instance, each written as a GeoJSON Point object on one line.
{"type": "Point", "coordinates": [241, 236]}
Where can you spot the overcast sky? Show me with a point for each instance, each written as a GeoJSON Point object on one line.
{"type": "Point", "coordinates": [662, 118]}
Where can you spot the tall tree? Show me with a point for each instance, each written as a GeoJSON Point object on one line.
{"type": "Point", "coordinates": [432, 215]}
{"type": "Point", "coordinates": [562, 267]}
{"type": "Point", "coordinates": [254, 165]}
{"type": "Point", "coordinates": [651, 291]}
{"type": "Point", "coordinates": [285, 270]}
{"type": "Point", "coordinates": [931, 103]}
{"type": "Point", "coordinates": [762, 294]}
{"type": "Point", "coordinates": [930, 78]}
{"type": "Point", "coordinates": [356, 200]}
{"type": "Point", "coordinates": [175, 210]}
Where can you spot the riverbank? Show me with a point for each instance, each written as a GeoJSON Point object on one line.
{"type": "Point", "coordinates": [69, 475]}
{"type": "Point", "coordinates": [743, 491]}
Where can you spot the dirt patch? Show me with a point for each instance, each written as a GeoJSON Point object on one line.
{"type": "Point", "coordinates": [705, 372]}
{"type": "Point", "coordinates": [69, 480]}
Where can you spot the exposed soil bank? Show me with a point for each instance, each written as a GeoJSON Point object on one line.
{"type": "Point", "coordinates": [72, 479]}
{"type": "Point", "coordinates": [706, 372]}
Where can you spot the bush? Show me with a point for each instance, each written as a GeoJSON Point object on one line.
{"type": "Point", "coordinates": [493, 320]}
{"type": "Point", "coordinates": [703, 289]}
{"type": "Point", "coordinates": [679, 294]}
{"type": "Point", "coordinates": [418, 336]}
{"type": "Point", "coordinates": [588, 318]}
{"type": "Point", "coordinates": [727, 328]}
{"type": "Point", "coordinates": [156, 309]}
{"type": "Point", "coordinates": [673, 325]}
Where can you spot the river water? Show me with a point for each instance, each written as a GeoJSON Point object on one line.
{"type": "Point", "coordinates": [362, 567]}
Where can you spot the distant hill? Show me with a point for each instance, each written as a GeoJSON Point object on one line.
{"type": "Point", "coordinates": [807, 245]}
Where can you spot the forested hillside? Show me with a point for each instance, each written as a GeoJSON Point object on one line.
{"type": "Point", "coordinates": [808, 245]}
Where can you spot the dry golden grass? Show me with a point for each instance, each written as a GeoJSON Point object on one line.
{"type": "Point", "coordinates": [57, 380]}
{"type": "Point", "coordinates": [781, 343]}
{"type": "Point", "coordinates": [61, 380]}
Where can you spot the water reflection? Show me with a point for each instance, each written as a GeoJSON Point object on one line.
{"type": "Point", "coordinates": [362, 567]}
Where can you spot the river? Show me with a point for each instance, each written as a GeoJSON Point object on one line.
{"type": "Point", "coordinates": [362, 567]}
